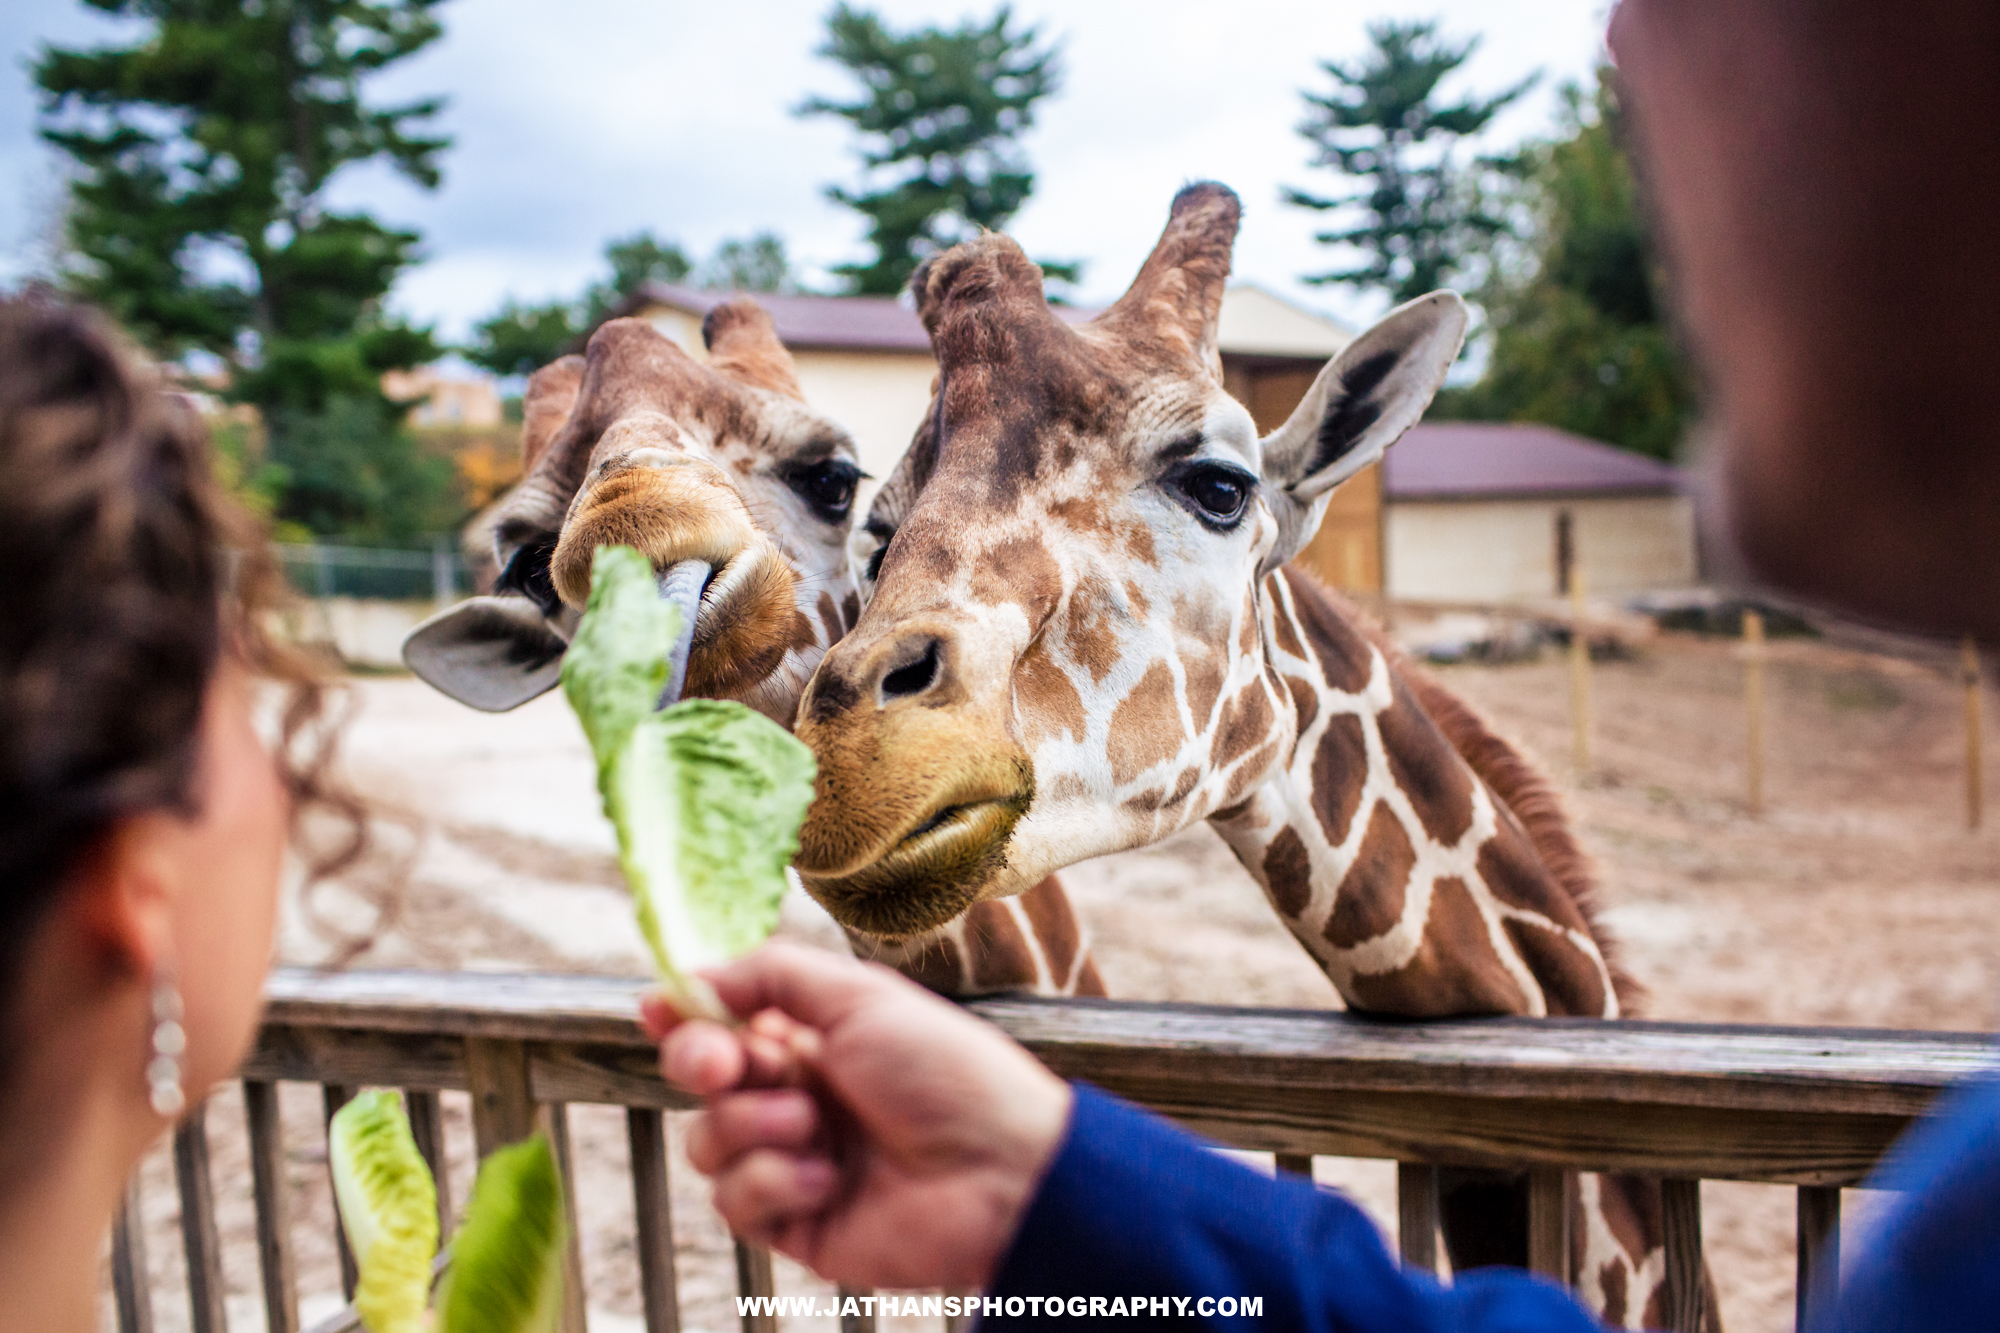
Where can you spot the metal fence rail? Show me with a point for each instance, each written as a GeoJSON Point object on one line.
{"type": "Point", "coordinates": [1810, 1107]}
{"type": "Point", "coordinates": [329, 570]}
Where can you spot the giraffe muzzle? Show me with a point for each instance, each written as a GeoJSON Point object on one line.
{"type": "Point", "coordinates": [926, 878]}
{"type": "Point", "coordinates": [912, 817]}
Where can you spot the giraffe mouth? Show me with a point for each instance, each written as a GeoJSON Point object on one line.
{"type": "Point", "coordinates": [743, 626]}
{"type": "Point", "coordinates": [932, 874]}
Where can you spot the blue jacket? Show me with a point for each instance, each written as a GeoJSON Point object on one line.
{"type": "Point", "coordinates": [1134, 1208]}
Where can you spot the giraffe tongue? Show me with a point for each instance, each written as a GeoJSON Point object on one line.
{"type": "Point", "coordinates": [682, 583]}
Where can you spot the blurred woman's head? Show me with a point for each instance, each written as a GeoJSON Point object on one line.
{"type": "Point", "coordinates": [142, 821]}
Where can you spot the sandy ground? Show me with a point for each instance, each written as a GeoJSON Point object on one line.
{"type": "Point", "coordinates": [1858, 897]}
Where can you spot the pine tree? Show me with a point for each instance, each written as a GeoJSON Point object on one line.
{"type": "Point", "coordinates": [758, 264]}
{"type": "Point", "coordinates": [517, 338]}
{"type": "Point", "coordinates": [940, 113]}
{"type": "Point", "coordinates": [1421, 217]}
{"type": "Point", "coordinates": [203, 150]}
{"type": "Point", "coordinates": [635, 261]}
{"type": "Point", "coordinates": [1579, 335]}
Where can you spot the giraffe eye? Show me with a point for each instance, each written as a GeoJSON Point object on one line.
{"type": "Point", "coordinates": [827, 486]}
{"type": "Point", "coordinates": [1216, 493]}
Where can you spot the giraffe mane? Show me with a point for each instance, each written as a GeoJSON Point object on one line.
{"type": "Point", "coordinates": [1520, 786]}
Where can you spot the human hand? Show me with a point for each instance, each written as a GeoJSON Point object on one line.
{"type": "Point", "coordinates": [859, 1124]}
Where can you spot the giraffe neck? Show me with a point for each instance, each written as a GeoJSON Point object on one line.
{"type": "Point", "coordinates": [1032, 942]}
{"type": "Point", "coordinates": [1416, 887]}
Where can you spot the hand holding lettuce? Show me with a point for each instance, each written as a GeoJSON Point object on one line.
{"type": "Point", "coordinates": [706, 796]}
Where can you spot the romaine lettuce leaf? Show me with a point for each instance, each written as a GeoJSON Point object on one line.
{"type": "Point", "coordinates": [706, 796]}
{"type": "Point", "coordinates": [616, 665]}
{"type": "Point", "coordinates": [506, 1271]}
{"type": "Point", "coordinates": [388, 1206]}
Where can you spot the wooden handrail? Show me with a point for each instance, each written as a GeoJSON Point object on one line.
{"type": "Point", "coordinates": [1811, 1106]}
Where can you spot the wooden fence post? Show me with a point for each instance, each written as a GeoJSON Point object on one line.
{"type": "Point", "coordinates": [753, 1279]}
{"type": "Point", "coordinates": [333, 1096]}
{"type": "Point", "coordinates": [1548, 1222]}
{"type": "Point", "coordinates": [1417, 1215]}
{"type": "Point", "coordinates": [131, 1286]}
{"type": "Point", "coordinates": [1753, 707]}
{"type": "Point", "coordinates": [427, 1128]}
{"type": "Point", "coordinates": [1974, 774]}
{"type": "Point", "coordinates": [1579, 673]}
{"type": "Point", "coordinates": [504, 1112]}
{"type": "Point", "coordinates": [275, 1262]}
{"type": "Point", "coordinates": [1819, 1245]}
{"type": "Point", "coordinates": [652, 1206]}
{"type": "Point", "coordinates": [553, 1120]}
{"type": "Point", "coordinates": [1680, 1204]}
{"type": "Point", "coordinates": [199, 1239]}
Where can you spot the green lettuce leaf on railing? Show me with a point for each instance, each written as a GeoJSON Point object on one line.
{"type": "Point", "coordinates": [506, 1265]}
{"type": "Point", "coordinates": [706, 797]}
{"type": "Point", "coordinates": [388, 1204]}
{"type": "Point", "coordinates": [506, 1271]}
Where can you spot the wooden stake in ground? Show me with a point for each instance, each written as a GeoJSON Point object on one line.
{"type": "Point", "coordinates": [1579, 672]}
{"type": "Point", "coordinates": [1753, 707]}
{"type": "Point", "coordinates": [1974, 792]}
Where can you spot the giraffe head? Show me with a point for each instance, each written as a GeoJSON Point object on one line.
{"type": "Point", "coordinates": [1063, 654]}
{"type": "Point", "coordinates": [635, 443]}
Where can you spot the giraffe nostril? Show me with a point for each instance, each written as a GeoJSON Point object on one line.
{"type": "Point", "coordinates": [914, 678]}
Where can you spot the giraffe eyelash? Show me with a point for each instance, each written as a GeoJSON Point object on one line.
{"type": "Point", "coordinates": [1217, 494]}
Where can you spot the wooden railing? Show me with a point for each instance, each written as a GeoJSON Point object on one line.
{"type": "Point", "coordinates": [1809, 1107]}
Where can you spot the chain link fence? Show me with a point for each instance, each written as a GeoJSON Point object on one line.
{"type": "Point", "coordinates": [325, 570]}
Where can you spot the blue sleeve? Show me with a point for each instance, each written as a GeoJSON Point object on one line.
{"type": "Point", "coordinates": [1933, 1260]}
{"type": "Point", "coordinates": [1133, 1207]}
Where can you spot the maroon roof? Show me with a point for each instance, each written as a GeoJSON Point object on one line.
{"type": "Point", "coordinates": [852, 323]}
{"type": "Point", "coordinates": [1478, 460]}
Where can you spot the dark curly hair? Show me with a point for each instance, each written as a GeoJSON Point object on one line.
{"type": "Point", "coordinates": [126, 571]}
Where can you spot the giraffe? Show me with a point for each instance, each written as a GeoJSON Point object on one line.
{"type": "Point", "coordinates": [1083, 635]}
{"type": "Point", "coordinates": [636, 443]}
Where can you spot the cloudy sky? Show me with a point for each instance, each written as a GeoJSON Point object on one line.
{"type": "Point", "coordinates": [590, 119]}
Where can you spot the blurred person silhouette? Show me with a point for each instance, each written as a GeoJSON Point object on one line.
{"type": "Point", "coordinates": [1826, 181]}
{"type": "Point", "coordinates": [143, 817]}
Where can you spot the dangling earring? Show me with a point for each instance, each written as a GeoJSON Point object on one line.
{"type": "Point", "coordinates": [163, 1071]}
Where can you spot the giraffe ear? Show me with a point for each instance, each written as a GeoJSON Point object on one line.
{"type": "Point", "coordinates": [490, 653]}
{"type": "Point", "coordinates": [743, 345]}
{"type": "Point", "coordinates": [1358, 406]}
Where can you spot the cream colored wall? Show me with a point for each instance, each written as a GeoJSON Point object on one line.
{"type": "Point", "coordinates": [878, 396]}
{"type": "Point", "coordinates": [1505, 550]}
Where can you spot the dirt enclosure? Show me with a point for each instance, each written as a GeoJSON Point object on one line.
{"type": "Point", "coordinates": [1857, 898]}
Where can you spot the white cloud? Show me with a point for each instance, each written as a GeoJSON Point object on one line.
{"type": "Point", "coordinates": [580, 122]}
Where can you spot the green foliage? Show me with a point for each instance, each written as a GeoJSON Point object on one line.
{"type": "Point", "coordinates": [202, 151]}
{"type": "Point", "coordinates": [1579, 335]}
{"type": "Point", "coordinates": [518, 339]}
{"type": "Point", "coordinates": [1421, 218]}
{"type": "Point", "coordinates": [940, 113]}
{"type": "Point", "coordinates": [756, 265]}
{"type": "Point", "coordinates": [635, 261]}
{"type": "Point", "coordinates": [350, 469]}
